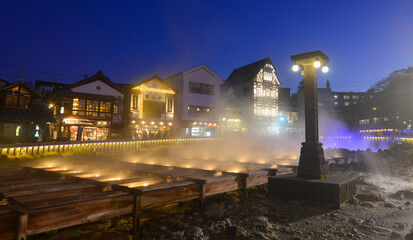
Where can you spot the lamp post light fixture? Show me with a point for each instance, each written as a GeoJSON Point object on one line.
{"type": "Point", "coordinates": [312, 162]}
{"type": "Point", "coordinates": [317, 64]}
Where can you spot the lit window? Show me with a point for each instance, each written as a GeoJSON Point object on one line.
{"type": "Point", "coordinates": [335, 103]}
{"type": "Point", "coordinates": [134, 101]}
{"type": "Point", "coordinates": [346, 104]}
{"type": "Point", "coordinates": [18, 131]}
{"type": "Point", "coordinates": [346, 97]}
{"type": "Point", "coordinates": [170, 105]}
{"type": "Point", "coordinates": [355, 97]}
{"type": "Point", "coordinates": [335, 96]}
{"type": "Point", "coordinates": [115, 108]}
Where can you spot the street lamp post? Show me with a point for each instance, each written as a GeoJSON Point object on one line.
{"type": "Point", "coordinates": [312, 161]}
{"type": "Point", "coordinates": [312, 184]}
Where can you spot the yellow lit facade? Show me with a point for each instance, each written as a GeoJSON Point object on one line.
{"type": "Point", "coordinates": [151, 109]}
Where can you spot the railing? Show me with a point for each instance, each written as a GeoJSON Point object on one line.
{"type": "Point", "coordinates": [389, 139]}
{"type": "Point", "coordinates": [98, 147]}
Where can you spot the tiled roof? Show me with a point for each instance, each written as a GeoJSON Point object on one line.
{"type": "Point", "coordinates": [39, 112]}
{"type": "Point", "coordinates": [246, 73]}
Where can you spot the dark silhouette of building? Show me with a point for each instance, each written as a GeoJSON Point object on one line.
{"type": "Point", "coordinates": [23, 117]}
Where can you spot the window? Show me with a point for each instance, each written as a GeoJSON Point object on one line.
{"type": "Point", "coordinates": [18, 130]}
{"type": "Point", "coordinates": [78, 107]}
{"type": "Point", "coordinates": [170, 105]}
{"type": "Point", "coordinates": [195, 110]}
{"type": "Point", "coordinates": [135, 101]}
{"type": "Point", "coordinates": [92, 108]}
{"type": "Point", "coordinates": [201, 88]}
{"type": "Point", "coordinates": [346, 104]}
{"type": "Point", "coordinates": [115, 108]}
{"type": "Point", "coordinates": [335, 103]}
{"type": "Point", "coordinates": [268, 72]}
{"type": "Point", "coordinates": [105, 109]}
{"type": "Point", "coordinates": [335, 96]}
{"type": "Point", "coordinates": [346, 97]}
{"type": "Point", "coordinates": [355, 97]}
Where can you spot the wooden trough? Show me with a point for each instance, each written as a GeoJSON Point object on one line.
{"type": "Point", "coordinates": [35, 200]}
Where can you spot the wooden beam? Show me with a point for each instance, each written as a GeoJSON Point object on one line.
{"type": "Point", "coordinates": [244, 177]}
{"type": "Point", "coordinates": [138, 179]}
{"type": "Point", "coordinates": [271, 171]}
{"type": "Point", "coordinates": [104, 186]}
{"type": "Point", "coordinates": [202, 197]}
{"type": "Point", "coordinates": [22, 219]}
{"type": "Point", "coordinates": [132, 191]}
{"type": "Point", "coordinates": [34, 183]}
{"type": "Point", "coordinates": [136, 212]}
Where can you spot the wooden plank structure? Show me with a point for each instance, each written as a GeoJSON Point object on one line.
{"type": "Point", "coordinates": [37, 200]}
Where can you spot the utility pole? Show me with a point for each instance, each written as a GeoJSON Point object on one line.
{"type": "Point", "coordinates": [20, 72]}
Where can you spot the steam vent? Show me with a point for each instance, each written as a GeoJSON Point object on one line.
{"type": "Point", "coordinates": [312, 183]}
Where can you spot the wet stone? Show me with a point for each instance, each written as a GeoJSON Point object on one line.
{"type": "Point", "coordinates": [373, 197]}
{"type": "Point", "coordinates": [395, 235]}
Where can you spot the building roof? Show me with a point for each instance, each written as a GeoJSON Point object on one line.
{"type": "Point", "coordinates": [56, 85]}
{"type": "Point", "coordinates": [154, 77]}
{"type": "Point", "coordinates": [98, 76]}
{"type": "Point", "coordinates": [21, 84]}
{"type": "Point", "coordinates": [65, 89]}
{"type": "Point", "coordinates": [39, 112]}
{"type": "Point", "coordinates": [124, 87]}
{"type": "Point", "coordinates": [3, 82]}
{"type": "Point", "coordinates": [246, 73]}
{"type": "Point", "coordinates": [202, 65]}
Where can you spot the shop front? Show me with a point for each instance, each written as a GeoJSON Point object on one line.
{"type": "Point", "coordinates": [201, 129]}
{"type": "Point", "coordinates": [149, 130]}
{"type": "Point", "coordinates": [85, 129]}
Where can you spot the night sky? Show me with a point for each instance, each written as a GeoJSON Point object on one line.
{"type": "Point", "coordinates": [130, 40]}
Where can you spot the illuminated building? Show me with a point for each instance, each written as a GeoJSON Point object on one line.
{"type": "Point", "coordinates": [253, 90]}
{"type": "Point", "coordinates": [150, 106]}
{"type": "Point", "coordinates": [88, 110]}
{"type": "Point", "coordinates": [288, 111]}
{"type": "Point", "coordinates": [23, 118]}
{"type": "Point", "coordinates": [347, 107]}
{"type": "Point", "coordinates": [197, 101]}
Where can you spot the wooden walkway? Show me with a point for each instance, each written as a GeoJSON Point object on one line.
{"type": "Point", "coordinates": [40, 199]}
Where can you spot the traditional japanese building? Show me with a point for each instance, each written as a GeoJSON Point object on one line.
{"type": "Point", "coordinates": [88, 110]}
{"type": "Point", "coordinates": [254, 89]}
{"type": "Point", "coordinates": [23, 117]}
{"type": "Point", "coordinates": [197, 102]}
{"type": "Point", "coordinates": [149, 108]}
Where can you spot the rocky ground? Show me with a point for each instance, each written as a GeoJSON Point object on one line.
{"type": "Point", "coordinates": [382, 209]}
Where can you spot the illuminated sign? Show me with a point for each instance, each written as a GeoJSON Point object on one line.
{"type": "Point", "coordinates": [76, 121]}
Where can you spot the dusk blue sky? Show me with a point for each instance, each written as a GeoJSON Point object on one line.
{"type": "Point", "coordinates": [131, 40]}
